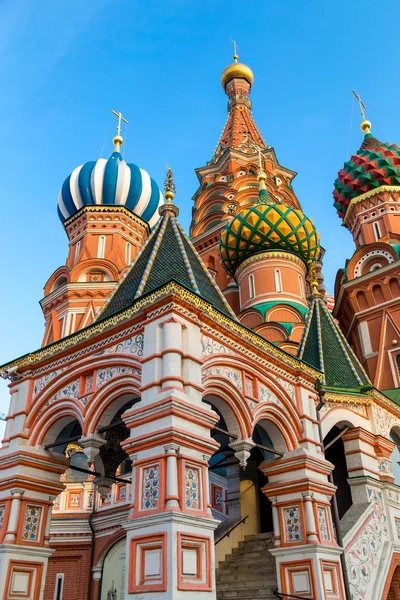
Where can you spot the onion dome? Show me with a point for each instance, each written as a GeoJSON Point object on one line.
{"type": "Point", "coordinates": [264, 227]}
{"type": "Point", "coordinates": [375, 164]}
{"type": "Point", "coordinates": [236, 69]}
{"type": "Point", "coordinates": [111, 182]}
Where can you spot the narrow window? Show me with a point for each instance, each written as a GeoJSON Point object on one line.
{"type": "Point", "coordinates": [398, 363]}
{"type": "Point", "coordinates": [251, 286]}
{"type": "Point", "coordinates": [77, 250]}
{"type": "Point", "coordinates": [377, 231]}
{"type": "Point", "coordinates": [278, 280]}
{"type": "Point", "coordinates": [301, 287]}
{"type": "Point", "coordinates": [101, 246]}
{"type": "Point", "coordinates": [58, 592]}
{"type": "Point", "coordinates": [128, 253]}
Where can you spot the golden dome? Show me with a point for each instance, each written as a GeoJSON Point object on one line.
{"type": "Point", "coordinates": [237, 69]}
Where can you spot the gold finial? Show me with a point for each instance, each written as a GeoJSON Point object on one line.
{"type": "Point", "coordinates": [312, 273]}
{"type": "Point", "coordinates": [365, 124]}
{"type": "Point", "coordinates": [235, 50]}
{"type": "Point", "coordinates": [169, 185]}
{"type": "Point", "coordinates": [118, 139]}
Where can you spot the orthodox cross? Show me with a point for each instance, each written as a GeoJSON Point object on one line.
{"type": "Point", "coordinates": [120, 118]}
{"type": "Point", "coordinates": [235, 49]}
{"type": "Point", "coordinates": [361, 104]}
{"type": "Point", "coordinates": [257, 148]}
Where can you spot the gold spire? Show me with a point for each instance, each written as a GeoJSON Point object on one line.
{"type": "Point", "coordinates": [365, 124]}
{"type": "Point", "coordinates": [118, 139]}
{"type": "Point", "coordinates": [169, 185]}
{"type": "Point", "coordinates": [312, 273]}
{"type": "Point", "coordinates": [236, 69]}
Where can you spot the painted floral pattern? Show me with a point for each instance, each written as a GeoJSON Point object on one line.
{"type": "Point", "coordinates": [293, 524]}
{"type": "Point", "coordinates": [2, 511]}
{"type": "Point", "coordinates": [56, 503]}
{"type": "Point", "coordinates": [151, 488]}
{"type": "Point", "coordinates": [210, 346]}
{"type": "Point", "coordinates": [323, 524]}
{"type": "Point", "coordinates": [232, 375]}
{"type": "Point", "coordinates": [364, 551]}
{"type": "Point", "coordinates": [104, 375]}
{"type": "Point", "coordinates": [192, 499]}
{"type": "Point", "coordinates": [30, 528]}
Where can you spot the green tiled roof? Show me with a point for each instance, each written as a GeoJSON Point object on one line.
{"type": "Point", "coordinates": [393, 394]}
{"type": "Point", "coordinates": [324, 347]}
{"type": "Point", "coordinates": [168, 255]}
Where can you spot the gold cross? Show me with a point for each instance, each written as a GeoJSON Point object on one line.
{"type": "Point", "coordinates": [257, 148]}
{"type": "Point", "coordinates": [235, 49]}
{"type": "Point", "coordinates": [361, 104]}
{"type": "Point", "coordinates": [120, 118]}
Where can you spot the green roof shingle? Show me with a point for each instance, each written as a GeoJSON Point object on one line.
{"type": "Point", "coordinates": [168, 255]}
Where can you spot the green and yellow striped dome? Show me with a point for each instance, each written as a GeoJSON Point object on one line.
{"type": "Point", "coordinates": [267, 227]}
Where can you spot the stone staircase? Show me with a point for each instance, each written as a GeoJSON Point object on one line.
{"type": "Point", "coordinates": [249, 572]}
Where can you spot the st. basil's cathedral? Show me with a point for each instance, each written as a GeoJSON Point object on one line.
{"type": "Point", "coordinates": [203, 421]}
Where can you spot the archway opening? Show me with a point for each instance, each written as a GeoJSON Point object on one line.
{"type": "Point", "coordinates": [335, 454]}
{"type": "Point", "coordinates": [259, 455]}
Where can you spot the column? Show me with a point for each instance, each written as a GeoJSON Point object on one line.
{"type": "Point", "coordinates": [170, 529]}
{"type": "Point", "coordinates": [306, 552]}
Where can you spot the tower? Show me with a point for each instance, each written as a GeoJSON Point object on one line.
{"type": "Point", "coordinates": [246, 206]}
{"type": "Point", "coordinates": [367, 290]}
{"type": "Point", "coordinates": [108, 208]}
{"type": "Point", "coordinates": [228, 182]}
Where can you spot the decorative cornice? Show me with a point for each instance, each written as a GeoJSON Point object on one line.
{"type": "Point", "coordinates": [272, 254]}
{"type": "Point", "coordinates": [106, 208]}
{"type": "Point", "coordinates": [347, 399]}
{"type": "Point", "coordinates": [370, 194]}
{"type": "Point", "coordinates": [147, 301]}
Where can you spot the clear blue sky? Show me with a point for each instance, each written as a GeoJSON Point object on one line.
{"type": "Point", "coordinates": [64, 65]}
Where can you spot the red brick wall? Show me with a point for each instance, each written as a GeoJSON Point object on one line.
{"type": "Point", "coordinates": [74, 561]}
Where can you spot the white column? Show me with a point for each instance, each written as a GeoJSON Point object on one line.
{"type": "Point", "coordinates": [275, 522]}
{"type": "Point", "coordinates": [17, 494]}
{"type": "Point", "coordinates": [172, 450]}
{"type": "Point", "coordinates": [311, 526]}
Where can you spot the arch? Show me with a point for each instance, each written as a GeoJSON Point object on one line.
{"type": "Point", "coordinates": [101, 246]}
{"type": "Point", "coordinates": [278, 280]}
{"type": "Point", "coordinates": [101, 553]}
{"type": "Point", "coordinates": [231, 405]}
{"type": "Point", "coordinates": [50, 424]}
{"type": "Point", "coordinates": [342, 417]}
{"type": "Point", "coordinates": [273, 332]}
{"type": "Point", "coordinates": [109, 400]}
{"type": "Point", "coordinates": [361, 300]}
{"type": "Point", "coordinates": [378, 294]}
{"type": "Point", "coordinates": [98, 264]}
{"type": "Point", "coordinates": [394, 287]}
{"type": "Point", "coordinates": [252, 290]}
{"type": "Point", "coordinates": [251, 318]}
{"type": "Point", "coordinates": [282, 427]}
{"type": "Point", "coordinates": [50, 283]}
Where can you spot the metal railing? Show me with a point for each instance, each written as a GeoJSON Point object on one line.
{"type": "Point", "coordinates": [227, 533]}
{"type": "Point", "coordinates": [283, 596]}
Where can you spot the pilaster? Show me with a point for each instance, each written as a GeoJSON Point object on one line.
{"type": "Point", "coordinates": [170, 545]}
{"type": "Point", "coordinates": [305, 549]}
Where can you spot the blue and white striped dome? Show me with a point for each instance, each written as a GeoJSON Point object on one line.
{"type": "Point", "coordinates": [111, 181]}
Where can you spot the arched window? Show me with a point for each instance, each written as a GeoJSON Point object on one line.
{"type": "Point", "coordinates": [378, 294]}
{"type": "Point", "coordinates": [77, 250]}
{"type": "Point", "coordinates": [128, 248]}
{"type": "Point", "coordinates": [301, 287]}
{"type": "Point", "coordinates": [278, 280]}
{"type": "Point", "coordinates": [101, 247]}
{"type": "Point", "coordinates": [252, 292]}
{"type": "Point", "coordinates": [58, 592]}
{"type": "Point", "coordinates": [377, 231]}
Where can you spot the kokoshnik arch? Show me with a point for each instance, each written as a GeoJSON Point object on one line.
{"type": "Point", "coordinates": [193, 387]}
